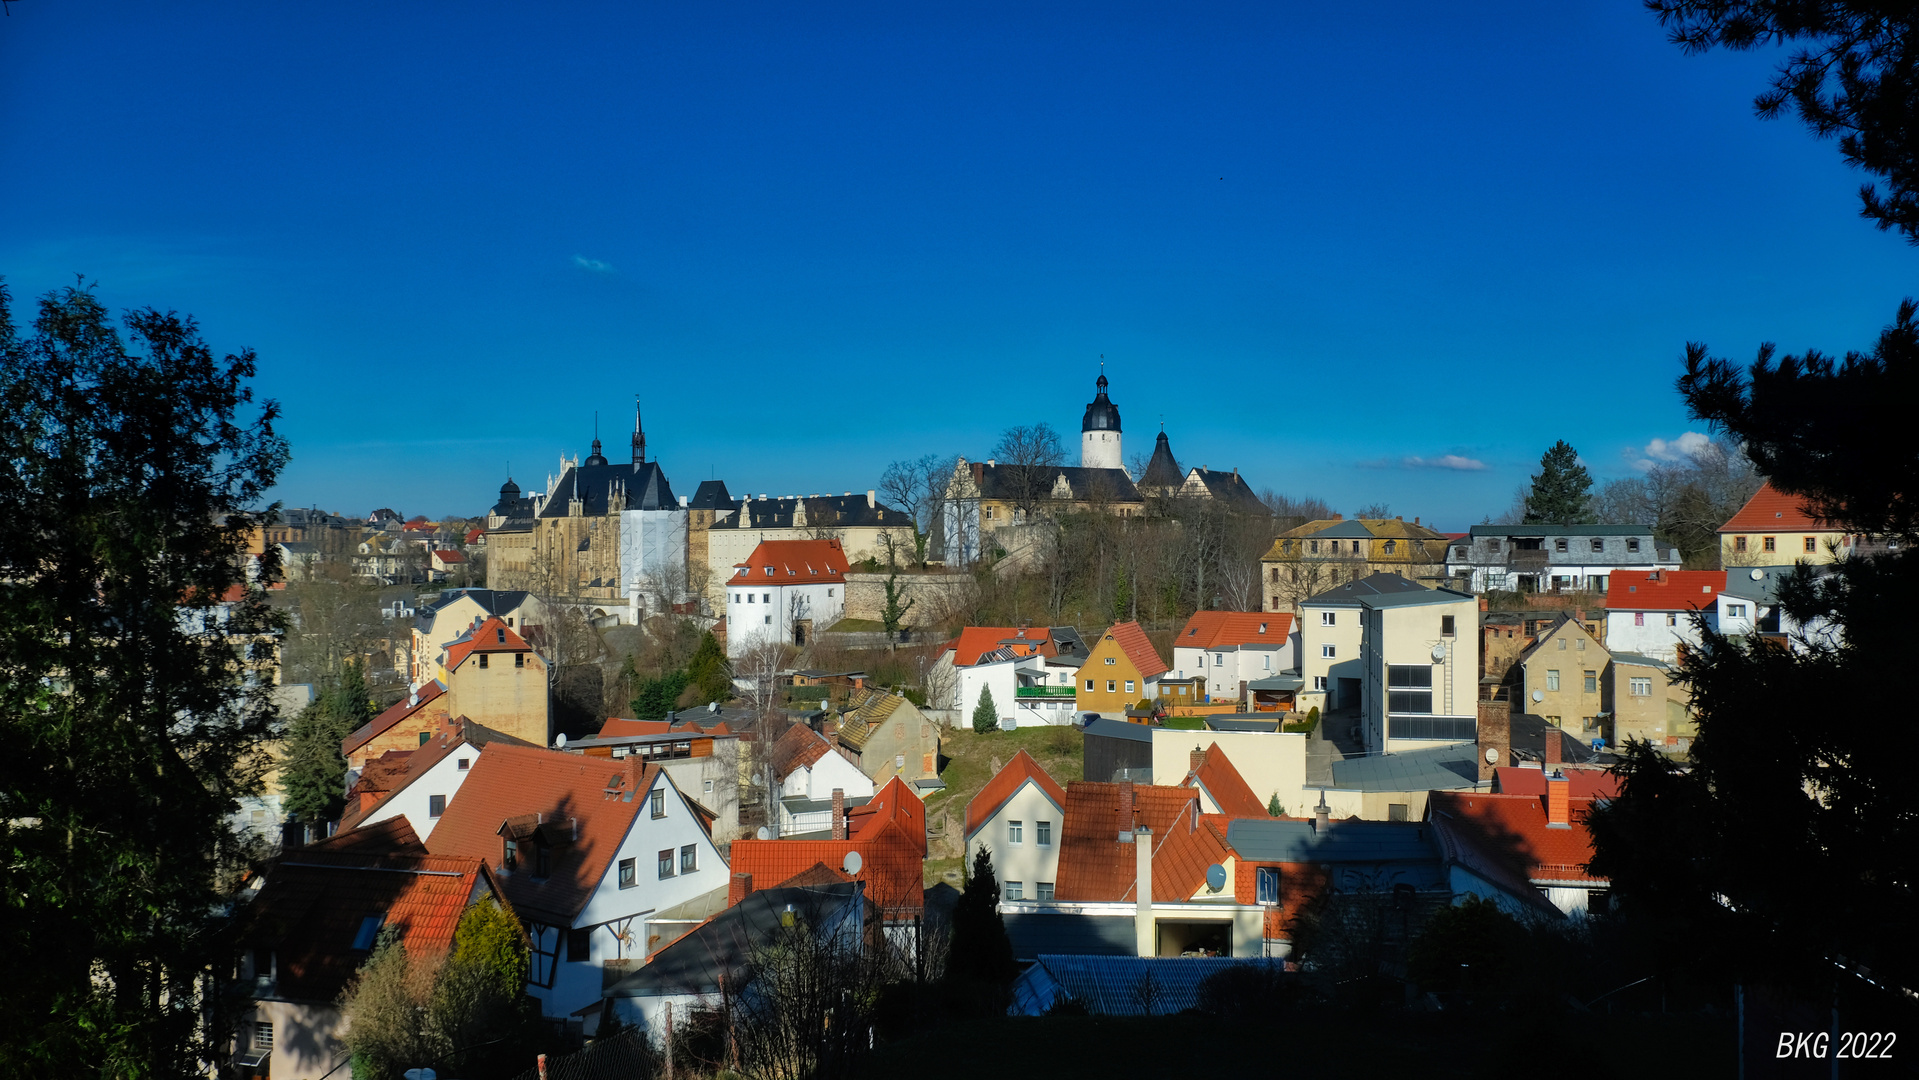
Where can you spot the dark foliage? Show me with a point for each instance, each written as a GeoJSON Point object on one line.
{"type": "Point", "coordinates": [655, 697]}
{"type": "Point", "coordinates": [1466, 950]}
{"type": "Point", "coordinates": [982, 954]}
{"type": "Point", "coordinates": [1562, 491]}
{"type": "Point", "coordinates": [313, 776]}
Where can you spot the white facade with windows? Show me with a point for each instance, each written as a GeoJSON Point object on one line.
{"type": "Point", "coordinates": [1224, 667]}
{"type": "Point", "coordinates": [765, 610]}
{"type": "Point", "coordinates": [1327, 645]}
{"type": "Point", "coordinates": [1023, 839]}
{"type": "Point", "coordinates": [426, 796]}
{"type": "Point", "coordinates": [1420, 670]}
{"type": "Point", "coordinates": [1026, 690]}
{"type": "Point", "coordinates": [1553, 558]}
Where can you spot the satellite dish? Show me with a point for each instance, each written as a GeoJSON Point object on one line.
{"type": "Point", "coordinates": [852, 862]}
{"type": "Point", "coordinates": [1539, 695]}
{"type": "Point", "coordinates": [1439, 653]}
{"type": "Point", "coordinates": [1758, 574]}
{"type": "Point", "coordinates": [1215, 877]}
{"type": "Point", "coordinates": [1492, 755]}
{"type": "Point", "coordinates": [559, 740]}
{"type": "Point", "coordinates": [765, 833]}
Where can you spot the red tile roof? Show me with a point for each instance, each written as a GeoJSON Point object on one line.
{"type": "Point", "coordinates": [889, 833]}
{"type": "Point", "coordinates": [316, 901]}
{"type": "Point", "coordinates": [798, 747]}
{"type": "Point", "coordinates": [1663, 590]}
{"type": "Point", "coordinates": [1772, 510]}
{"type": "Point", "coordinates": [1132, 641]}
{"type": "Point", "coordinates": [449, 556]}
{"type": "Point", "coordinates": [1584, 783]}
{"type": "Point", "coordinates": [491, 636]}
{"type": "Point", "coordinates": [793, 562]}
{"type": "Point", "coordinates": [1004, 785]}
{"type": "Point", "coordinates": [1512, 830]}
{"type": "Point", "coordinates": [1182, 854]}
{"type": "Point", "coordinates": [974, 640]}
{"type": "Point", "coordinates": [552, 790]}
{"type": "Point", "coordinates": [1212, 629]}
{"type": "Point", "coordinates": [452, 735]}
{"type": "Point", "coordinates": [395, 835]}
{"type": "Point", "coordinates": [1093, 864]}
{"type": "Point", "coordinates": [615, 727]}
{"type": "Point", "coordinates": [384, 722]}
{"type": "Point", "coordinates": [474, 534]}
{"type": "Point", "coordinates": [1229, 789]}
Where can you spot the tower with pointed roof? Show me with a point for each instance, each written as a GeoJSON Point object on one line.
{"type": "Point", "coordinates": [1099, 439]}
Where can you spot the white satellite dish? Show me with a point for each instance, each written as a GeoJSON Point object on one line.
{"type": "Point", "coordinates": [559, 741]}
{"type": "Point", "coordinates": [1439, 653]}
{"type": "Point", "coordinates": [1758, 574]}
{"type": "Point", "coordinates": [852, 863]}
{"type": "Point", "coordinates": [1215, 877]}
{"type": "Point", "coordinates": [1492, 755]}
{"type": "Point", "coordinates": [765, 833]}
{"type": "Point", "coordinates": [1539, 695]}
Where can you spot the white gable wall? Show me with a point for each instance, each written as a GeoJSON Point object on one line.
{"type": "Point", "coordinates": [414, 801]}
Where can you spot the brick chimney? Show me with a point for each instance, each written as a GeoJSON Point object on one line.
{"type": "Point", "coordinates": [738, 889]}
{"type": "Point", "coordinates": [1558, 800]}
{"type": "Point", "coordinates": [1197, 758]}
{"type": "Point", "coordinates": [1484, 605]}
{"type": "Point", "coordinates": [1552, 748]}
{"type": "Point", "coordinates": [1126, 807]}
{"type": "Point", "coordinates": [1496, 735]}
{"type": "Point", "coordinates": [839, 813]}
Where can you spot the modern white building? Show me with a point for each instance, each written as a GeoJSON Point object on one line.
{"type": "Point", "coordinates": [1553, 558]}
{"type": "Point", "coordinates": [784, 592]}
{"type": "Point", "coordinates": [1419, 669]}
{"type": "Point", "coordinates": [1327, 641]}
{"type": "Point", "coordinates": [1658, 613]}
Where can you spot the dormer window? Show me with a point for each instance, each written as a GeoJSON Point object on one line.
{"type": "Point", "coordinates": [510, 855]}
{"type": "Point", "coordinates": [369, 931]}
{"type": "Point", "coordinates": [1262, 628]}
{"type": "Point", "coordinates": [769, 571]}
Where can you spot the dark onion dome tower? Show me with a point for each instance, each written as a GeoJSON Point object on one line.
{"type": "Point", "coordinates": [1099, 432]}
{"type": "Point", "coordinates": [509, 491]}
{"type": "Point", "coordinates": [1162, 471]}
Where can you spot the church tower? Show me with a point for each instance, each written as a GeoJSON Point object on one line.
{"type": "Point", "coordinates": [1099, 432]}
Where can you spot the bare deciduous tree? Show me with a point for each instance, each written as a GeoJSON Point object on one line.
{"type": "Point", "coordinates": [1029, 456]}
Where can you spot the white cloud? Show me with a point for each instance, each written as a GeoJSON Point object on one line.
{"type": "Point", "coordinates": [1686, 447]}
{"type": "Point", "coordinates": [593, 266]}
{"type": "Point", "coordinates": [1455, 462]}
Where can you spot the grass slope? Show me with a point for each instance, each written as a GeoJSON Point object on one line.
{"type": "Point", "coordinates": [970, 764]}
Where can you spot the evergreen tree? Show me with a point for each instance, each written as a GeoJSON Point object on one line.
{"type": "Point", "coordinates": [313, 776]}
{"type": "Point", "coordinates": [1562, 492]}
{"type": "Point", "coordinates": [708, 670]}
{"type": "Point", "coordinates": [655, 697]}
{"type": "Point", "coordinates": [985, 714]}
{"type": "Point", "coordinates": [981, 951]}
{"type": "Point", "coordinates": [133, 468]}
{"type": "Point", "coordinates": [1273, 808]}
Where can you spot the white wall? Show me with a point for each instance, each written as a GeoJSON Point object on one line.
{"type": "Point", "coordinates": [1004, 677]}
{"type": "Point", "coordinates": [818, 780]}
{"type": "Point", "coordinates": [1658, 634]}
{"type": "Point", "coordinates": [1226, 666]}
{"type": "Point", "coordinates": [1406, 635]}
{"type": "Point", "coordinates": [1028, 862]}
{"type": "Point", "coordinates": [652, 559]}
{"type": "Point", "coordinates": [1269, 761]}
{"type": "Point", "coordinates": [414, 801]}
{"type": "Point", "coordinates": [774, 608]}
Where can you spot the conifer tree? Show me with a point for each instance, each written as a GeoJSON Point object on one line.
{"type": "Point", "coordinates": [985, 714]}
{"type": "Point", "coordinates": [981, 951]}
{"type": "Point", "coordinates": [1562, 492]}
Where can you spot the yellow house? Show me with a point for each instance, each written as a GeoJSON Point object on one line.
{"type": "Point", "coordinates": [1121, 669]}
{"type": "Point", "coordinates": [1562, 675]}
{"type": "Point", "coordinates": [1774, 529]}
{"type": "Point", "coordinates": [1318, 555]}
{"type": "Point", "coordinates": [495, 678]}
{"type": "Point", "coordinates": [1642, 702]}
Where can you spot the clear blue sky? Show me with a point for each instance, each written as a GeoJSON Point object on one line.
{"type": "Point", "coordinates": [1330, 244]}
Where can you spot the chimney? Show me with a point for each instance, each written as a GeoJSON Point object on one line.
{"type": "Point", "coordinates": [1483, 605]}
{"type": "Point", "coordinates": [1415, 519]}
{"type": "Point", "coordinates": [870, 500]}
{"type": "Point", "coordinates": [1126, 807]}
{"type": "Point", "coordinates": [1558, 801]}
{"type": "Point", "coordinates": [1322, 814]}
{"type": "Point", "coordinates": [739, 888]}
{"type": "Point", "coordinates": [1495, 736]}
{"type": "Point", "coordinates": [839, 813]}
{"type": "Point", "coordinates": [1198, 758]}
{"type": "Point", "coordinates": [1552, 748]}
{"type": "Point", "coordinates": [635, 767]}
{"type": "Point", "coordinates": [1143, 935]}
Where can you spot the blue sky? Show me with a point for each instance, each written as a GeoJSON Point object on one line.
{"type": "Point", "coordinates": [1345, 249]}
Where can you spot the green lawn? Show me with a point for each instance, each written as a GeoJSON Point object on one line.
{"type": "Point", "coordinates": [970, 764]}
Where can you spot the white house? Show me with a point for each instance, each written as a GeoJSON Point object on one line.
{"type": "Point", "coordinates": [783, 592]}
{"type": "Point", "coordinates": [434, 774]}
{"type": "Point", "coordinates": [1230, 649]}
{"type": "Point", "coordinates": [1419, 661]}
{"type": "Point", "coordinates": [1327, 641]}
{"type": "Point", "coordinates": [1017, 818]}
{"type": "Point", "coordinates": [1653, 613]}
{"type": "Point", "coordinates": [808, 768]}
{"type": "Point", "coordinates": [602, 860]}
{"type": "Point", "coordinates": [1027, 690]}
{"type": "Point", "coordinates": [1552, 558]}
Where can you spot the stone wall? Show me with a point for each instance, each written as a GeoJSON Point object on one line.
{"type": "Point", "coordinates": [935, 596]}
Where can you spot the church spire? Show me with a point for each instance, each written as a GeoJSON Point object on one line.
{"type": "Point", "coordinates": [639, 436]}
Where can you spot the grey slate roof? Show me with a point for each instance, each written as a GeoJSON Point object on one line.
{"type": "Point", "coordinates": [1643, 531]}
{"type": "Point", "coordinates": [1120, 729]}
{"type": "Point", "coordinates": [644, 483]}
{"type": "Point", "coordinates": [1101, 413]}
{"type": "Point", "coordinates": [1281, 840]}
{"type": "Point", "coordinates": [1414, 599]}
{"type": "Point", "coordinates": [1636, 660]}
{"type": "Point", "coordinates": [1349, 529]}
{"type": "Point", "coordinates": [1277, 682]}
{"type": "Point", "coordinates": [492, 601]}
{"type": "Point", "coordinates": [998, 482]}
{"type": "Point", "coordinates": [1162, 470]}
{"type": "Point", "coordinates": [1436, 768]}
{"type": "Point", "coordinates": [1351, 593]}
{"type": "Point", "coordinates": [822, 511]}
{"type": "Point", "coordinates": [711, 495]}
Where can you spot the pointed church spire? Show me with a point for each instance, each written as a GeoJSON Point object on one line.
{"type": "Point", "coordinates": [639, 436]}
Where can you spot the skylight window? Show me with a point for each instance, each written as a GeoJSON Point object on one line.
{"type": "Point", "coordinates": [369, 932]}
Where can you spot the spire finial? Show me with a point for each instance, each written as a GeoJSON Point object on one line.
{"type": "Point", "coordinates": [639, 436]}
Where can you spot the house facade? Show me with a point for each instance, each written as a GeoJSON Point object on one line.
{"type": "Point", "coordinates": [1552, 558]}
{"type": "Point", "coordinates": [1329, 627]}
{"type": "Point", "coordinates": [858, 521]}
{"type": "Point", "coordinates": [1120, 670]}
{"type": "Point", "coordinates": [1776, 529]}
{"type": "Point", "coordinates": [784, 592]}
{"type": "Point", "coordinates": [1016, 818]}
{"type": "Point", "coordinates": [1642, 702]}
{"type": "Point", "coordinates": [1419, 677]}
{"type": "Point", "coordinates": [889, 737]}
{"type": "Point", "coordinates": [443, 618]}
{"type": "Point", "coordinates": [1563, 679]}
{"type": "Point", "coordinates": [1657, 613]}
{"type": "Point", "coordinates": [1319, 555]}
{"type": "Point", "coordinates": [1231, 649]}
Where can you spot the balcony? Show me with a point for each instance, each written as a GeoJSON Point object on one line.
{"type": "Point", "coordinates": [1044, 693]}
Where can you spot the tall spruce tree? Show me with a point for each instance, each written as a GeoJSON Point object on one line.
{"type": "Point", "coordinates": [132, 730]}
{"type": "Point", "coordinates": [985, 714]}
{"type": "Point", "coordinates": [981, 951]}
{"type": "Point", "coordinates": [1562, 492]}
{"type": "Point", "coordinates": [313, 775]}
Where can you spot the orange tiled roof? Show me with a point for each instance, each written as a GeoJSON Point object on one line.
{"type": "Point", "coordinates": [798, 747]}
{"type": "Point", "coordinates": [793, 562]}
{"type": "Point", "coordinates": [1005, 784]}
{"type": "Point", "coordinates": [316, 901]}
{"type": "Point", "coordinates": [1663, 590]}
{"type": "Point", "coordinates": [616, 727]}
{"type": "Point", "coordinates": [1583, 783]}
{"type": "Point", "coordinates": [491, 636]}
{"type": "Point", "coordinates": [452, 735]}
{"type": "Point", "coordinates": [1772, 510]}
{"type": "Point", "coordinates": [889, 833]}
{"type": "Point", "coordinates": [974, 640]}
{"type": "Point", "coordinates": [1183, 853]}
{"type": "Point", "coordinates": [395, 835]}
{"type": "Point", "coordinates": [1512, 829]}
{"type": "Point", "coordinates": [384, 722]}
{"type": "Point", "coordinates": [1229, 789]}
{"type": "Point", "coordinates": [1210, 629]}
{"type": "Point", "coordinates": [560, 788]}
{"type": "Point", "coordinates": [1093, 864]}
{"type": "Point", "coordinates": [1132, 641]}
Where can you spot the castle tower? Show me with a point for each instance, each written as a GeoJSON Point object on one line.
{"type": "Point", "coordinates": [1099, 432]}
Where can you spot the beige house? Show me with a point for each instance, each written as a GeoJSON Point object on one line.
{"type": "Point", "coordinates": [1642, 702]}
{"type": "Point", "coordinates": [442, 620]}
{"type": "Point", "coordinates": [888, 736]}
{"type": "Point", "coordinates": [1017, 818]}
{"type": "Point", "coordinates": [1329, 638]}
{"type": "Point", "coordinates": [493, 677]}
{"type": "Point", "coordinates": [1774, 529]}
{"type": "Point", "coordinates": [1419, 677]}
{"type": "Point", "coordinates": [1561, 675]}
{"type": "Point", "coordinates": [1306, 561]}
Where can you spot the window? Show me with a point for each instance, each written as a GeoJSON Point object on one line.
{"type": "Point", "coordinates": [1446, 625]}
{"type": "Point", "coordinates": [424, 736]}
{"type": "Point", "coordinates": [1453, 728]}
{"type": "Point", "coordinates": [659, 804]}
{"type": "Point", "coordinates": [1640, 687]}
{"type": "Point", "coordinates": [1043, 832]}
{"type": "Point", "coordinates": [542, 861]}
{"type": "Point", "coordinates": [1089, 685]}
{"type": "Point", "coordinates": [1552, 679]}
{"type": "Point", "coordinates": [1599, 545]}
{"type": "Point", "coordinates": [262, 1036]}
{"type": "Point", "coordinates": [1266, 884]}
{"type": "Point", "coordinates": [1313, 546]}
{"type": "Point", "coordinates": [767, 621]}
{"type": "Point", "coordinates": [1639, 618]}
{"type": "Point", "coordinates": [1045, 891]}
{"type": "Point", "coordinates": [1632, 545]}
{"type": "Point", "coordinates": [666, 864]}
{"type": "Point", "coordinates": [1319, 682]}
{"type": "Point", "coordinates": [766, 597]}
{"type": "Point", "coordinates": [464, 764]}
{"type": "Point", "coordinates": [1396, 811]}
{"type": "Point", "coordinates": [1562, 644]}
{"type": "Point", "coordinates": [1129, 686]}
{"type": "Point", "coordinates": [435, 805]}
{"type": "Point", "coordinates": [1326, 617]}
{"type": "Point", "coordinates": [1592, 682]}
{"type": "Point", "coordinates": [519, 659]}
{"type": "Point", "coordinates": [1355, 546]}
{"type": "Point", "coordinates": [482, 659]}
{"type": "Point", "coordinates": [1582, 645]}
{"type": "Point", "coordinates": [1013, 890]}
{"type": "Point", "coordinates": [1326, 652]}
{"type": "Point", "coordinates": [709, 787]}
{"type": "Point", "coordinates": [829, 594]}
{"type": "Point", "coordinates": [369, 932]}
{"type": "Point", "coordinates": [579, 946]}
{"type": "Point", "coordinates": [510, 855]}
{"type": "Point", "coordinates": [1109, 686]}
{"type": "Point", "coordinates": [629, 875]}
{"type": "Point", "coordinates": [1739, 543]}
{"type": "Point", "coordinates": [1219, 658]}
{"type": "Point", "coordinates": [1110, 661]}
{"type": "Point", "coordinates": [1392, 546]}
{"type": "Point", "coordinates": [1735, 611]}
{"type": "Point", "coordinates": [1409, 688]}
{"type": "Point", "coordinates": [689, 858]}
{"type": "Point", "coordinates": [1014, 831]}
{"type": "Point", "coordinates": [1672, 618]}
{"type": "Point", "coordinates": [1559, 544]}
{"type": "Point", "coordinates": [1770, 543]}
